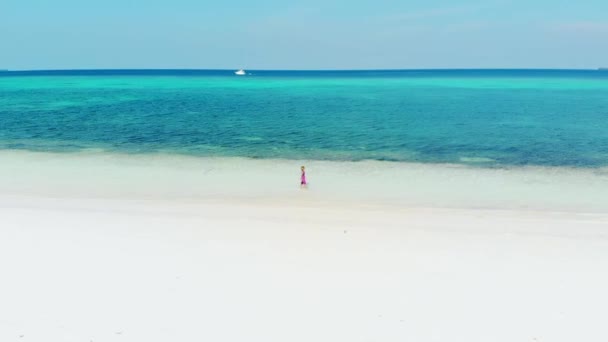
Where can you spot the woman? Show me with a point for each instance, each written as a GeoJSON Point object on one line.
{"type": "Point", "coordinates": [303, 184]}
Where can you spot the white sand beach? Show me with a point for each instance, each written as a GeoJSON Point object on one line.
{"type": "Point", "coordinates": [101, 247]}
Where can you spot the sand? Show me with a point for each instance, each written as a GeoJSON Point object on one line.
{"type": "Point", "coordinates": [83, 262]}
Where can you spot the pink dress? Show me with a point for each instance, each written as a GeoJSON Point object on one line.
{"type": "Point", "coordinates": [303, 178]}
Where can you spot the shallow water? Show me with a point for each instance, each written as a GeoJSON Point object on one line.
{"type": "Point", "coordinates": [485, 118]}
{"type": "Point", "coordinates": [177, 177]}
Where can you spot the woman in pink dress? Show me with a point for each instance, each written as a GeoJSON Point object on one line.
{"type": "Point", "coordinates": [303, 178]}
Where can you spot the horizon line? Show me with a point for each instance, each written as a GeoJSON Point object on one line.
{"type": "Point", "coordinates": [303, 70]}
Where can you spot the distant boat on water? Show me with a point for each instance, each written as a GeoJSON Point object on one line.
{"type": "Point", "coordinates": [240, 72]}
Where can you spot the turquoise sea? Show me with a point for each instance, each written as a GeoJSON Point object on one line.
{"type": "Point", "coordinates": [486, 118]}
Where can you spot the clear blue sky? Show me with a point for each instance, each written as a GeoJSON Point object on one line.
{"type": "Point", "coordinates": [312, 34]}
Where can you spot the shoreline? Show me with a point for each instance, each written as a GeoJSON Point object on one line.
{"type": "Point", "coordinates": [418, 185]}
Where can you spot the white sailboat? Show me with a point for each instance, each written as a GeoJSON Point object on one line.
{"type": "Point", "coordinates": [240, 72]}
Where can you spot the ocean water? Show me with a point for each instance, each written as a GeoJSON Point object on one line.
{"type": "Point", "coordinates": [484, 118]}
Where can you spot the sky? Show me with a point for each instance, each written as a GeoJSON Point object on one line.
{"type": "Point", "coordinates": [312, 34]}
